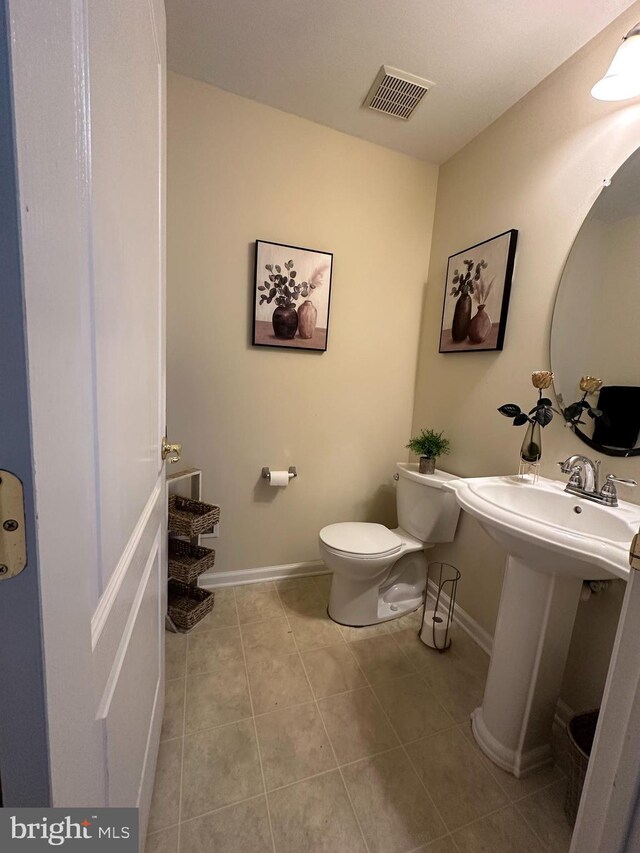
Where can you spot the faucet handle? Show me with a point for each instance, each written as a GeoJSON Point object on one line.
{"type": "Point", "coordinates": [576, 478]}
{"type": "Point", "coordinates": [611, 478]}
{"type": "Point", "coordinates": [609, 492]}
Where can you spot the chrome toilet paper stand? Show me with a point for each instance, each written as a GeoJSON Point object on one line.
{"type": "Point", "coordinates": [444, 574]}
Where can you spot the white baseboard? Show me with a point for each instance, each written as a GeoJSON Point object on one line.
{"type": "Point", "coordinates": [467, 623]}
{"type": "Point", "coordinates": [217, 580]}
{"type": "Point", "coordinates": [563, 713]}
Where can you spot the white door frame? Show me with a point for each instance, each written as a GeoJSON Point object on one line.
{"type": "Point", "coordinates": [609, 813]}
{"type": "Point", "coordinates": [87, 627]}
{"type": "Point", "coordinates": [24, 767]}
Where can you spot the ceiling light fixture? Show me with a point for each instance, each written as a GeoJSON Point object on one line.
{"type": "Point", "coordinates": [622, 80]}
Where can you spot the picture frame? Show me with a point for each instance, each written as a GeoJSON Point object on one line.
{"type": "Point", "coordinates": [291, 297]}
{"type": "Point", "coordinates": [476, 297]}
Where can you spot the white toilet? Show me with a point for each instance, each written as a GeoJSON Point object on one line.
{"type": "Point", "coordinates": [380, 574]}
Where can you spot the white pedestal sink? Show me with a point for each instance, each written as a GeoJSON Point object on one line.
{"type": "Point", "coordinates": [554, 540]}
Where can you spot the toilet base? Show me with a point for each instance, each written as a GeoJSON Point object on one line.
{"type": "Point", "coordinates": [358, 604]}
{"type": "Point", "coordinates": [385, 614]}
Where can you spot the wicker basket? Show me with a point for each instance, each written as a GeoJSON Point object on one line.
{"type": "Point", "coordinates": [191, 518]}
{"type": "Point", "coordinates": [187, 562]}
{"type": "Point", "coordinates": [188, 604]}
{"type": "Point", "coordinates": [581, 731]}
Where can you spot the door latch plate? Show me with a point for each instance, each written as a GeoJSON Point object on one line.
{"type": "Point", "coordinates": [13, 547]}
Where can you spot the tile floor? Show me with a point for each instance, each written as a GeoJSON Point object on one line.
{"type": "Point", "coordinates": [285, 733]}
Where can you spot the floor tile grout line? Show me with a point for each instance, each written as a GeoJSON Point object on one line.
{"type": "Point", "coordinates": [495, 777]}
{"type": "Point", "coordinates": [475, 820]}
{"type": "Point", "coordinates": [184, 725]}
{"type": "Point", "coordinates": [223, 808]}
{"type": "Point", "coordinates": [516, 805]}
{"type": "Point", "coordinates": [402, 746]}
{"type": "Point", "coordinates": [510, 801]}
{"type": "Point", "coordinates": [255, 733]}
{"type": "Point", "coordinates": [326, 732]}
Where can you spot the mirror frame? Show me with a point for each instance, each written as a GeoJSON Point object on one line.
{"type": "Point", "coordinates": [594, 445]}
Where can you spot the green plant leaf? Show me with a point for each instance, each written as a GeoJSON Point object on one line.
{"type": "Point", "coordinates": [293, 273]}
{"type": "Point", "coordinates": [429, 443]}
{"type": "Point", "coordinates": [278, 268]}
{"type": "Point", "coordinates": [521, 419]}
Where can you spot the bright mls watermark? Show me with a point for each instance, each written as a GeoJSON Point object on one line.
{"type": "Point", "coordinates": [36, 830]}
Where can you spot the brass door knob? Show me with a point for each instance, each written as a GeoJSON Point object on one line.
{"type": "Point", "coordinates": [170, 451]}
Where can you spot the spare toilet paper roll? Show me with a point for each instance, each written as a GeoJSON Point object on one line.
{"type": "Point", "coordinates": [434, 627]}
{"type": "Point", "coordinates": [279, 478]}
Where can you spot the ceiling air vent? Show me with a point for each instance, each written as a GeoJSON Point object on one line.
{"type": "Point", "coordinates": [396, 92]}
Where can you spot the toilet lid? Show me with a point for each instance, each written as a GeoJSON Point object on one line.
{"type": "Point", "coordinates": [359, 537]}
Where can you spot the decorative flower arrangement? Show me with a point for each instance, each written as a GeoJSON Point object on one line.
{"type": "Point", "coordinates": [572, 413]}
{"type": "Point", "coordinates": [466, 281]}
{"type": "Point", "coordinates": [539, 416]}
{"type": "Point", "coordinates": [541, 413]}
{"type": "Point", "coordinates": [282, 286]}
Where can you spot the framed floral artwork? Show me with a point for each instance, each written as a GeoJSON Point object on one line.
{"type": "Point", "coordinates": [292, 297]}
{"type": "Point", "coordinates": [476, 298]}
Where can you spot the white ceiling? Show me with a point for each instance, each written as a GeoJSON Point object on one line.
{"type": "Point", "coordinates": [318, 58]}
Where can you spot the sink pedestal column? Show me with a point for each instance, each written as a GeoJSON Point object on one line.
{"type": "Point", "coordinates": [530, 647]}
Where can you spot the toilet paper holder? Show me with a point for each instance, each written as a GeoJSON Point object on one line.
{"type": "Point", "coordinates": [441, 587]}
{"type": "Point", "coordinates": [266, 472]}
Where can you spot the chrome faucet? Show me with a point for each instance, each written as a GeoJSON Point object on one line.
{"type": "Point", "coordinates": [584, 473]}
{"type": "Point", "coordinates": [584, 480]}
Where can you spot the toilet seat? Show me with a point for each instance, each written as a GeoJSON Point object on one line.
{"type": "Point", "coordinates": [360, 539]}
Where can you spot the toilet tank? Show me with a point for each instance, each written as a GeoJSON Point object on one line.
{"type": "Point", "coordinates": [424, 509]}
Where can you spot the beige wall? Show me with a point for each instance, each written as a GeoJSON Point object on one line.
{"type": "Point", "coordinates": [238, 171]}
{"type": "Point", "coordinates": [538, 169]}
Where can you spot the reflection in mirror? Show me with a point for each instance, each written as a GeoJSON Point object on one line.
{"type": "Point", "coordinates": [595, 331]}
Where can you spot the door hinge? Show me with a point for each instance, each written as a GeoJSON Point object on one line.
{"type": "Point", "coordinates": [13, 543]}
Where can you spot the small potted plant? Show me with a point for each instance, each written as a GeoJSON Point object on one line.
{"type": "Point", "coordinates": [428, 446]}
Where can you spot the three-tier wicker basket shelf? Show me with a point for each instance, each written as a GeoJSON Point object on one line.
{"type": "Point", "coordinates": [189, 518]}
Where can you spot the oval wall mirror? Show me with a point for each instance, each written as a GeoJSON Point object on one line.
{"type": "Point", "coordinates": [595, 331]}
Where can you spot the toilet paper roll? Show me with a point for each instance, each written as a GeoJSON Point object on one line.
{"type": "Point", "coordinates": [434, 627]}
{"type": "Point", "coordinates": [279, 478]}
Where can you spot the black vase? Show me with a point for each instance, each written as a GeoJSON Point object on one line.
{"type": "Point", "coordinates": [285, 322]}
{"type": "Point", "coordinates": [461, 318]}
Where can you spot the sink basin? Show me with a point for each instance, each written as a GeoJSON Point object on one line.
{"type": "Point", "coordinates": [553, 531]}
{"type": "Point", "coordinates": [553, 541]}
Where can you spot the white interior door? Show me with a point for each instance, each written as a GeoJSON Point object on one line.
{"type": "Point", "coordinates": [609, 815]}
{"type": "Point", "coordinates": [89, 95]}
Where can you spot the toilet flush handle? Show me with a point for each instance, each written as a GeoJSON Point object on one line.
{"type": "Point", "coordinates": [396, 476]}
